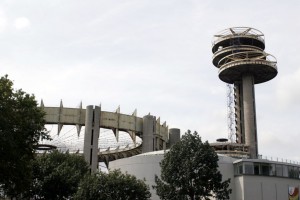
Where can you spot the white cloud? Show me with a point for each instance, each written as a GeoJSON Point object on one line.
{"type": "Point", "coordinates": [21, 23]}
{"type": "Point", "coordinates": [3, 21]}
{"type": "Point", "coordinates": [2, 24]}
{"type": "Point", "coordinates": [288, 92]}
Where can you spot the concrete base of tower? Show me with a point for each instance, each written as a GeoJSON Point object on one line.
{"type": "Point", "coordinates": [249, 116]}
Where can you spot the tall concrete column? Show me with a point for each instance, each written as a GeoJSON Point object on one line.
{"type": "Point", "coordinates": [174, 136]}
{"type": "Point", "coordinates": [149, 127]}
{"type": "Point", "coordinates": [91, 136]}
{"type": "Point", "coordinates": [249, 114]}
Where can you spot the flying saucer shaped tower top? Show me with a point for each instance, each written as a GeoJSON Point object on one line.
{"type": "Point", "coordinates": [240, 57]}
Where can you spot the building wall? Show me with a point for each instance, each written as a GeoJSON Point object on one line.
{"type": "Point", "coordinates": [238, 188]}
{"type": "Point", "coordinates": [244, 187]}
{"type": "Point", "coordinates": [251, 187]}
{"type": "Point", "coordinates": [147, 165]}
{"type": "Point", "coordinates": [227, 170]}
{"type": "Point", "coordinates": [142, 166]}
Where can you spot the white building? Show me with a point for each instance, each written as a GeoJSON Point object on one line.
{"type": "Point", "coordinates": [251, 179]}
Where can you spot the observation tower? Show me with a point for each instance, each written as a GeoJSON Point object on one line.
{"type": "Point", "coordinates": [240, 57]}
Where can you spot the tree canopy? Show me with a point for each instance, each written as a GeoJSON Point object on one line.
{"type": "Point", "coordinates": [21, 127]}
{"type": "Point", "coordinates": [57, 175]}
{"type": "Point", "coordinates": [190, 171]}
{"type": "Point", "coordinates": [112, 186]}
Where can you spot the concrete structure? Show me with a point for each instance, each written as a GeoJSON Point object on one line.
{"type": "Point", "coordinates": [149, 128]}
{"type": "Point", "coordinates": [154, 135]}
{"type": "Point", "coordinates": [263, 180]}
{"type": "Point", "coordinates": [251, 179]}
{"type": "Point", "coordinates": [91, 136]}
{"type": "Point", "coordinates": [149, 162]}
{"type": "Point", "coordinates": [144, 165]}
{"type": "Point", "coordinates": [174, 136]}
{"type": "Point", "coordinates": [239, 55]}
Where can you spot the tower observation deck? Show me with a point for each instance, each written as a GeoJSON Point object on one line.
{"type": "Point", "coordinates": [240, 57]}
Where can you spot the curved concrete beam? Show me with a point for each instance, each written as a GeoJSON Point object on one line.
{"type": "Point", "coordinates": [109, 120]}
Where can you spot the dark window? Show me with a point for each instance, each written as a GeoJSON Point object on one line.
{"type": "Point", "coordinates": [240, 169]}
{"type": "Point", "coordinates": [265, 169]}
{"type": "Point", "coordinates": [248, 168]}
{"type": "Point", "coordinates": [256, 169]}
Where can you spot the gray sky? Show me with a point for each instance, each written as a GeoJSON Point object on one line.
{"type": "Point", "coordinates": [154, 56]}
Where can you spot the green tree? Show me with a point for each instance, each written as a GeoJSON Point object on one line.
{"type": "Point", "coordinates": [57, 175]}
{"type": "Point", "coordinates": [112, 186]}
{"type": "Point", "coordinates": [21, 127]}
{"type": "Point", "coordinates": [190, 171]}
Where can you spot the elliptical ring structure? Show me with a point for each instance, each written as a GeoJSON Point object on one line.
{"type": "Point", "coordinates": [240, 50]}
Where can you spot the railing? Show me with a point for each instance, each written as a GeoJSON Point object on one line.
{"type": "Point", "coordinates": [247, 56]}
{"type": "Point", "coordinates": [238, 32]}
{"type": "Point", "coordinates": [283, 160]}
{"type": "Point", "coordinates": [236, 47]}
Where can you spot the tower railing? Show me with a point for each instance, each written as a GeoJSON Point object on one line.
{"type": "Point", "coordinates": [234, 49]}
{"type": "Point", "coordinates": [238, 31]}
{"type": "Point", "coordinates": [248, 56]}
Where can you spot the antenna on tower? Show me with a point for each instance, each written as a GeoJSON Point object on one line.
{"type": "Point", "coordinates": [231, 113]}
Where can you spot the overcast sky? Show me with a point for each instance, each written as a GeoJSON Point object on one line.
{"type": "Point", "coordinates": [153, 56]}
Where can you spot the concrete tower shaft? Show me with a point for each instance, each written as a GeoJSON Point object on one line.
{"type": "Point", "coordinates": [240, 57]}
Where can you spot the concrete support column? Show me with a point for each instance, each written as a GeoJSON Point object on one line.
{"type": "Point", "coordinates": [174, 136]}
{"type": "Point", "coordinates": [157, 144]}
{"type": "Point", "coordinates": [91, 136]}
{"type": "Point", "coordinates": [249, 114]}
{"type": "Point", "coordinates": [149, 127]}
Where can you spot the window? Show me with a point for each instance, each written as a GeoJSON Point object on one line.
{"type": "Point", "coordinates": [279, 170]}
{"type": "Point", "coordinates": [238, 169]}
{"type": "Point", "coordinates": [293, 172]}
{"type": "Point", "coordinates": [265, 169]}
{"type": "Point", "coordinates": [285, 171]}
{"type": "Point", "coordinates": [272, 170]}
{"type": "Point", "coordinates": [241, 169]}
{"type": "Point", "coordinates": [249, 168]}
{"type": "Point", "coordinates": [256, 169]}
{"type": "Point", "coordinates": [290, 171]}
{"type": "Point", "coordinates": [296, 172]}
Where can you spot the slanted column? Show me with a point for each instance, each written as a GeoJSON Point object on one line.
{"type": "Point", "coordinates": [91, 136]}
{"type": "Point", "coordinates": [149, 128]}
